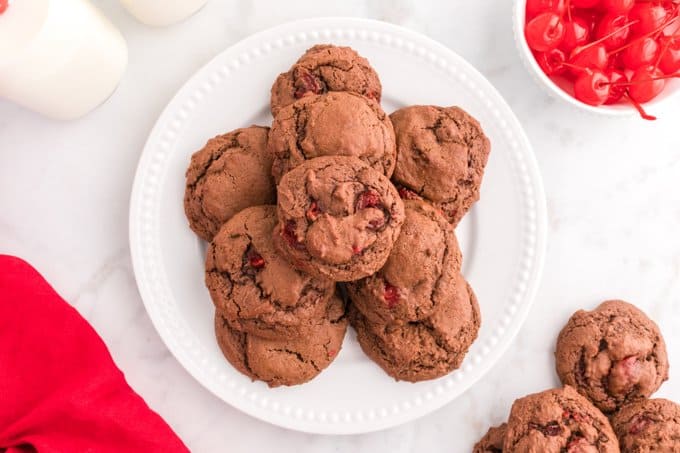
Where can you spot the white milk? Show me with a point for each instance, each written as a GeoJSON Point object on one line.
{"type": "Point", "coordinates": [61, 58]}
{"type": "Point", "coordinates": [159, 13]}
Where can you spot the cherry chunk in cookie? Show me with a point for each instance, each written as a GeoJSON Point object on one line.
{"type": "Point", "coordinates": [613, 355]}
{"type": "Point", "coordinates": [338, 218]}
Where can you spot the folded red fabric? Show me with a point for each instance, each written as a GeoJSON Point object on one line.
{"type": "Point", "coordinates": [60, 390]}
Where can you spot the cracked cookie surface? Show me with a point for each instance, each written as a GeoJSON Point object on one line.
{"type": "Point", "coordinates": [256, 290]}
{"type": "Point", "coordinates": [426, 349]}
{"type": "Point", "coordinates": [613, 355]}
{"type": "Point", "coordinates": [332, 124]}
{"type": "Point", "coordinates": [230, 173]}
{"type": "Point", "coordinates": [420, 272]}
{"type": "Point", "coordinates": [441, 156]}
{"type": "Point", "coordinates": [284, 361]}
{"type": "Point", "coordinates": [325, 68]}
{"type": "Point", "coordinates": [558, 421]}
{"type": "Point", "coordinates": [492, 441]}
{"type": "Point", "coordinates": [338, 218]}
{"type": "Point", "coordinates": [648, 426]}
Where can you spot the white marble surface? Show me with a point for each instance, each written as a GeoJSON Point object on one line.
{"type": "Point", "coordinates": [613, 190]}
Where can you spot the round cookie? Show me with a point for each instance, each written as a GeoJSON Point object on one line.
{"type": "Point", "coordinates": [325, 68]}
{"type": "Point", "coordinates": [255, 289]}
{"type": "Point", "coordinates": [230, 173]}
{"type": "Point", "coordinates": [492, 442]}
{"type": "Point", "coordinates": [426, 349]}
{"type": "Point", "coordinates": [648, 426]}
{"type": "Point", "coordinates": [333, 124]}
{"type": "Point", "coordinates": [613, 355]}
{"type": "Point", "coordinates": [441, 155]}
{"type": "Point", "coordinates": [338, 218]}
{"type": "Point", "coordinates": [420, 273]}
{"type": "Point", "coordinates": [284, 362]}
{"type": "Point", "coordinates": [556, 421]}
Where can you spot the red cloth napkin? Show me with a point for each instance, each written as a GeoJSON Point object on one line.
{"type": "Point", "coordinates": [59, 388]}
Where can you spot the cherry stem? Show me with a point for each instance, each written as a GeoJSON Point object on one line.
{"type": "Point", "coordinates": [639, 108]}
{"type": "Point", "coordinates": [569, 10]}
{"type": "Point", "coordinates": [645, 36]}
{"type": "Point", "coordinates": [639, 82]}
{"type": "Point", "coordinates": [604, 38]}
{"type": "Point", "coordinates": [671, 40]}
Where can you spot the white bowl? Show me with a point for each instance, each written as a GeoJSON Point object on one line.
{"type": "Point", "coordinates": [564, 92]}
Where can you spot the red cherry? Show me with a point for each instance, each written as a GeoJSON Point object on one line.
{"type": "Point", "coordinates": [368, 199]}
{"type": "Point", "coordinates": [615, 61]}
{"type": "Point", "coordinates": [612, 25]}
{"type": "Point", "coordinates": [641, 52]}
{"type": "Point", "coordinates": [536, 7]}
{"type": "Point", "coordinates": [585, 4]}
{"type": "Point", "coordinates": [591, 16]}
{"type": "Point", "coordinates": [576, 33]}
{"type": "Point", "coordinates": [3, 5]}
{"type": "Point", "coordinates": [640, 423]}
{"type": "Point", "coordinates": [650, 16]}
{"type": "Point", "coordinates": [617, 78]}
{"type": "Point", "coordinates": [391, 295]}
{"type": "Point", "coordinates": [307, 83]}
{"type": "Point", "coordinates": [669, 60]}
{"type": "Point", "coordinates": [408, 194]}
{"type": "Point", "coordinates": [590, 57]}
{"type": "Point", "coordinates": [617, 6]}
{"type": "Point", "coordinates": [544, 32]}
{"type": "Point", "coordinates": [592, 88]}
{"type": "Point", "coordinates": [551, 62]}
{"type": "Point", "coordinates": [255, 260]}
{"type": "Point", "coordinates": [645, 84]}
{"type": "Point", "coordinates": [313, 211]}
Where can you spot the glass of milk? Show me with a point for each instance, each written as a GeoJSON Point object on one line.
{"type": "Point", "coordinates": [61, 58]}
{"type": "Point", "coordinates": [159, 13]}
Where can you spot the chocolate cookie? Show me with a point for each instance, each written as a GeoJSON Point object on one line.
{"type": "Point", "coordinates": [427, 349]}
{"type": "Point", "coordinates": [613, 355]}
{"type": "Point", "coordinates": [556, 421]}
{"type": "Point", "coordinates": [333, 124]}
{"type": "Point", "coordinates": [338, 218]}
{"type": "Point", "coordinates": [325, 68]}
{"type": "Point", "coordinates": [441, 155]}
{"type": "Point", "coordinates": [648, 426]}
{"type": "Point", "coordinates": [255, 289]}
{"type": "Point", "coordinates": [232, 172]}
{"type": "Point", "coordinates": [492, 442]}
{"type": "Point", "coordinates": [284, 362]}
{"type": "Point", "coordinates": [420, 273]}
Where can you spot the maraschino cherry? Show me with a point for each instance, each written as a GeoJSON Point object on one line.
{"type": "Point", "coordinates": [3, 5]}
{"type": "Point", "coordinates": [613, 51]}
{"type": "Point", "coordinates": [592, 87]}
{"type": "Point", "coordinates": [617, 89]}
{"type": "Point", "coordinates": [536, 7]}
{"type": "Point", "coordinates": [649, 16]}
{"type": "Point", "coordinates": [669, 56]}
{"type": "Point", "coordinates": [617, 6]}
{"type": "Point", "coordinates": [545, 32]}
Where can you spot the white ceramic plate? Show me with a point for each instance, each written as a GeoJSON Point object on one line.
{"type": "Point", "coordinates": [502, 238]}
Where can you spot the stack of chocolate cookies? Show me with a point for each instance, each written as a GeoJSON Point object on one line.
{"type": "Point", "coordinates": [610, 360]}
{"type": "Point", "coordinates": [339, 199]}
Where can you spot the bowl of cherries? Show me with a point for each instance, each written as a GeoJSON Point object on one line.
{"type": "Point", "coordinates": [613, 57]}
